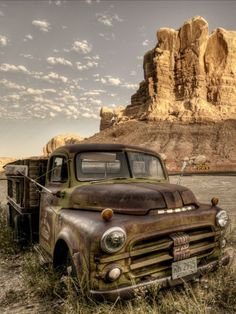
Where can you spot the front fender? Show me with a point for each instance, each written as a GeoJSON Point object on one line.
{"type": "Point", "coordinates": [78, 253]}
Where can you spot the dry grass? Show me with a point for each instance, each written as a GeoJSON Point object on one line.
{"type": "Point", "coordinates": [7, 244]}
{"type": "Point", "coordinates": [212, 294]}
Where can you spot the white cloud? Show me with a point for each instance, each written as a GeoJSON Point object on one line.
{"type": "Point", "coordinates": [114, 81]}
{"type": "Point", "coordinates": [1, 13]}
{"type": "Point", "coordinates": [28, 37]}
{"type": "Point", "coordinates": [56, 108]}
{"type": "Point", "coordinates": [57, 2]}
{"type": "Point", "coordinates": [3, 41]}
{"type": "Point", "coordinates": [43, 25]}
{"type": "Point", "coordinates": [73, 109]}
{"type": "Point", "coordinates": [92, 2]}
{"type": "Point", "coordinates": [146, 42]}
{"type": "Point", "coordinates": [82, 46]}
{"type": "Point", "coordinates": [130, 86]}
{"type": "Point", "coordinates": [55, 76]}
{"type": "Point", "coordinates": [69, 99]}
{"type": "Point", "coordinates": [96, 57]}
{"type": "Point", "coordinates": [11, 85]}
{"type": "Point", "coordinates": [88, 65]}
{"type": "Point", "coordinates": [109, 80]}
{"type": "Point", "coordinates": [95, 92]}
{"type": "Point", "coordinates": [90, 115]}
{"type": "Point", "coordinates": [11, 98]}
{"type": "Point", "coordinates": [33, 92]}
{"type": "Point", "coordinates": [58, 60]}
{"type": "Point", "coordinates": [49, 90]}
{"type": "Point", "coordinates": [52, 114]}
{"type": "Point", "coordinates": [108, 20]}
{"type": "Point", "coordinates": [27, 56]}
{"type": "Point", "coordinates": [107, 36]}
{"type": "Point", "coordinates": [5, 67]}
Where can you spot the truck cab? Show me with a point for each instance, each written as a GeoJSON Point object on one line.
{"type": "Point", "coordinates": [108, 213]}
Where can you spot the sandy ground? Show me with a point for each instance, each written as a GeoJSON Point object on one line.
{"type": "Point", "coordinates": [16, 298]}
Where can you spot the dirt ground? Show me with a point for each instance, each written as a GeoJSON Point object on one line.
{"type": "Point", "coordinates": [17, 298]}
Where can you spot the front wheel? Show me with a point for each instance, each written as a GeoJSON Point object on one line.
{"type": "Point", "coordinates": [70, 265]}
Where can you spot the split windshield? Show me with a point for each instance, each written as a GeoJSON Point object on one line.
{"type": "Point", "coordinates": [114, 165]}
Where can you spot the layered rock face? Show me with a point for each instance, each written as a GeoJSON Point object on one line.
{"type": "Point", "coordinates": [177, 140]}
{"type": "Point", "coordinates": [61, 140]}
{"type": "Point", "coordinates": [189, 76]}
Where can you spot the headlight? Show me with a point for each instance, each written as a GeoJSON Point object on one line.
{"type": "Point", "coordinates": [113, 240]}
{"type": "Point", "coordinates": [222, 218]}
{"type": "Point", "coordinates": [114, 273]}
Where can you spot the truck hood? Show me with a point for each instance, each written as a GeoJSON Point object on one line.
{"type": "Point", "coordinates": [132, 198]}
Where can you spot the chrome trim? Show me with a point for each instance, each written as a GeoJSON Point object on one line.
{"type": "Point", "coordinates": [127, 292]}
{"type": "Point", "coordinates": [176, 210]}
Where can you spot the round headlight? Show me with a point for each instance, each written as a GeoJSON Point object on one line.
{"type": "Point", "coordinates": [114, 274]}
{"type": "Point", "coordinates": [222, 218]}
{"type": "Point", "coordinates": [113, 240]}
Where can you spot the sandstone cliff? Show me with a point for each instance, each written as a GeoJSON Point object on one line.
{"type": "Point", "coordinates": [59, 141]}
{"type": "Point", "coordinates": [177, 140]}
{"type": "Point", "coordinates": [190, 76]}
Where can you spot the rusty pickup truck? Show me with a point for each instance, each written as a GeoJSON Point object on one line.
{"type": "Point", "coordinates": [108, 213]}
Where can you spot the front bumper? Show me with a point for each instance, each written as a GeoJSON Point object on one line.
{"type": "Point", "coordinates": [128, 292]}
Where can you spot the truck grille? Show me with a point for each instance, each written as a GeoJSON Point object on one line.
{"type": "Point", "coordinates": [153, 255]}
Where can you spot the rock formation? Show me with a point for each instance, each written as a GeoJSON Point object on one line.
{"type": "Point", "coordinates": [189, 76]}
{"type": "Point", "coordinates": [4, 161]}
{"type": "Point", "coordinates": [60, 140]}
{"type": "Point", "coordinates": [177, 140]}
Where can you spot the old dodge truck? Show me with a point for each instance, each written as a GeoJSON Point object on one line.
{"type": "Point", "coordinates": [108, 213]}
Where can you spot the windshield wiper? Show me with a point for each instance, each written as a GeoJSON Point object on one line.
{"type": "Point", "coordinates": [148, 178]}
{"type": "Point", "coordinates": [109, 179]}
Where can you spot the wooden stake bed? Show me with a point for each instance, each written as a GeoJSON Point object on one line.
{"type": "Point", "coordinates": [24, 195]}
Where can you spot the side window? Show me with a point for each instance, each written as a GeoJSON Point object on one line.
{"type": "Point", "coordinates": [58, 169]}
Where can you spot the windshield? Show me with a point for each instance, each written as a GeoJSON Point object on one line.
{"type": "Point", "coordinates": [145, 166]}
{"type": "Point", "coordinates": [101, 165]}
{"type": "Point", "coordinates": [113, 165]}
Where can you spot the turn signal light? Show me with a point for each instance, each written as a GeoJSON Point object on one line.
{"type": "Point", "coordinates": [107, 214]}
{"type": "Point", "coordinates": [214, 201]}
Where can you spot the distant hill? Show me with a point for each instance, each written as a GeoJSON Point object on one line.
{"type": "Point", "coordinates": [5, 160]}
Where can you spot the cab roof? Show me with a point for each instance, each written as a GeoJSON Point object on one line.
{"type": "Point", "coordinates": [77, 148]}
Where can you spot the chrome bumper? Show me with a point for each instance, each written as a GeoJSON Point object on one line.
{"type": "Point", "coordinates": [128, 292]}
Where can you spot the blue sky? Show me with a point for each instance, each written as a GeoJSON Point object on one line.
{"type": "Point", "coordinates": [60, 61]}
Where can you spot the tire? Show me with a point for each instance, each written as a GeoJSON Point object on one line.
{"type": "Point", "coordinates": [22, 230]}
{"type": "Point", "coordinates": [70, 266]}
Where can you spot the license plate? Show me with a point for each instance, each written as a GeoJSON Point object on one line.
{"type": "Point", "coordinates": [183, 268]}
